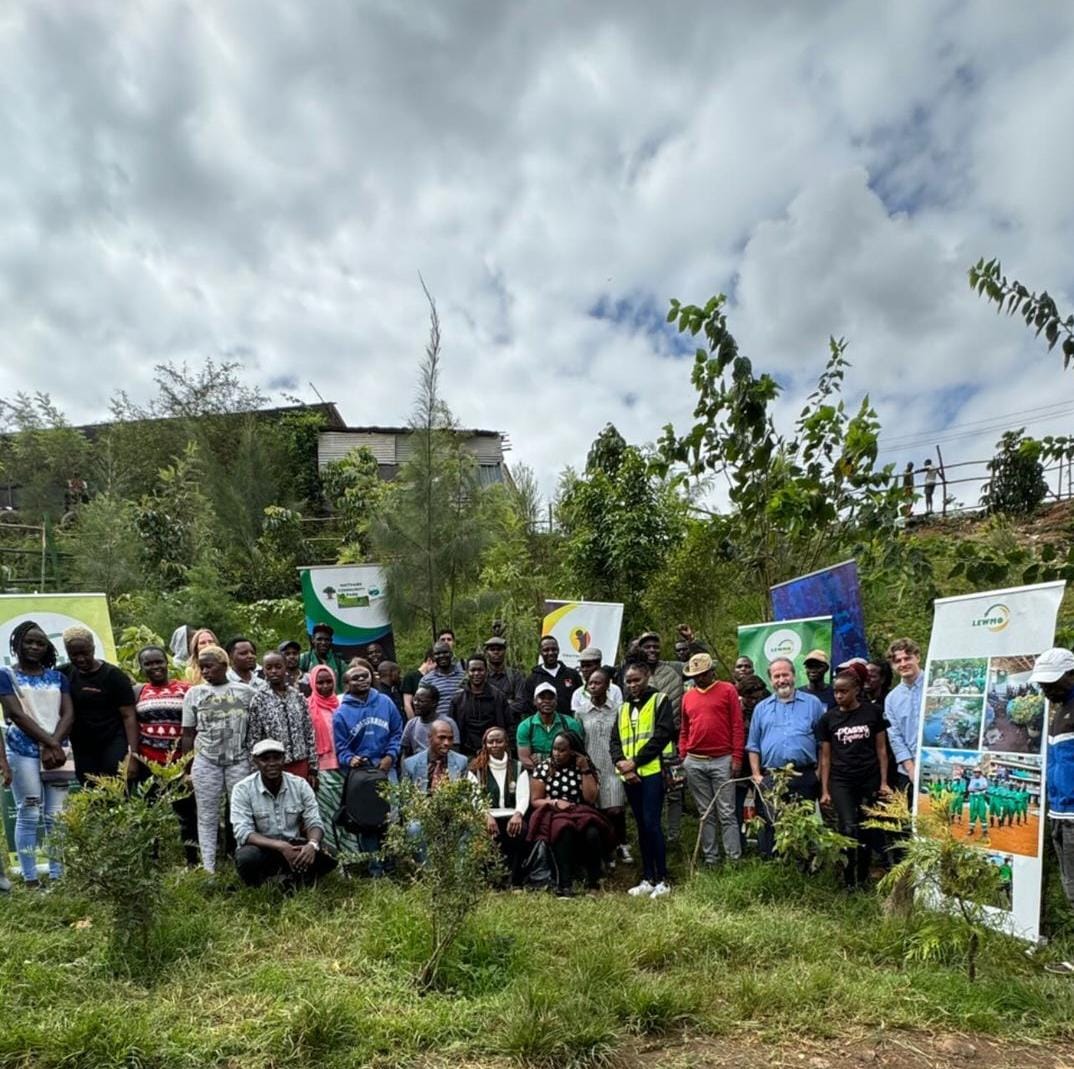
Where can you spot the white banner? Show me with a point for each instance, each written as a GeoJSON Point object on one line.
{"type": "Point", "coordinates": [982, 720]}
{"type": "Point", "coordinates": [578, 624]}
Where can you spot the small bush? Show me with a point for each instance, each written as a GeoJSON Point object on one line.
{"type": "Point", "coordinates": [118, 846]}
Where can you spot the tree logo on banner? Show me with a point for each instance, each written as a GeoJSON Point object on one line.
{"type": "Point", "coordinates": [996, 617]}
{"type": "Point", "coordinates": [782, 643]}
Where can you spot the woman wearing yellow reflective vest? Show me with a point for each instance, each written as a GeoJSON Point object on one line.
{"type": "Point", "coordinates": [645, 730]}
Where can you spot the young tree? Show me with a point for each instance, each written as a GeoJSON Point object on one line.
{"type": "Point", "coordinates": [104, 549]}
{"type": "Point", "coordinates": [618, 523]}
{"type": "Point", "coordinates": [799, 499]}
{"type": "Point", "coordinates": [431, 527]}
{"type": "Point", "coordinates": [353, 490]}
{"type": "Point", "coordinates": [1016, 484]}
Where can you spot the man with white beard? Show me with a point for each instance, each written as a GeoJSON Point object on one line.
{"type": "Point", "coordinates": [782, 733]}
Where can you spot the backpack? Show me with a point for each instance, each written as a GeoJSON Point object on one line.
{"type": "Point", "coordinates": [363, 808]}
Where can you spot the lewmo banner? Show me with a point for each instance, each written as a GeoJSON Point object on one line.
{"type": "Point", "coordinates": [578, 624]}
{"type": "Point", "coordinates": [351, 599]}
{"type": "Point", "coordinates": [835, 591]}
{"type": "Point", "coordinates": [983, 736]}
{"type": "Point", "coordinates": [54, 613]}
{"type": "Point", "coordinates": [794, 639]}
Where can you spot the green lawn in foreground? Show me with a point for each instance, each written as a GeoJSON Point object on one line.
{"type": "Point", "coordinates": [325, 978]}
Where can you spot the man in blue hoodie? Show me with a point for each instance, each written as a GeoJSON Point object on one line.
{"type": "Point", "coordinates": [1053, 672]}
{"type": "Point", "coordinates": [367, 727]}
{"type": "Point", "coordinates": [368, 732]}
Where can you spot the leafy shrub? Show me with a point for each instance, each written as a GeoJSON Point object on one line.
{"type": "Point", "coordinates": [117, 847]}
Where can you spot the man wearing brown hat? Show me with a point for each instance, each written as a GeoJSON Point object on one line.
{"type": "Point", "coordinates": [712, 741]}
{"type": "Point", "coordinates": [816, 668]}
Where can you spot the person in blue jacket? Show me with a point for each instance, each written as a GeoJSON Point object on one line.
{"type": "Point", "coordinates": [367, 727]}
{"type": "Point", "coordinates": [368, 732]}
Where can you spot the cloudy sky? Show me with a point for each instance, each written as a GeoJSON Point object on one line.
{"type": "Point", "coordinates": [266, 180]}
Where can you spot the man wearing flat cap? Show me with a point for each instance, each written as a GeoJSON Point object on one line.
{"type": "Point", "coordinates": [1053, 672]}
{"type": "Point", "coordinates": [277, 824]}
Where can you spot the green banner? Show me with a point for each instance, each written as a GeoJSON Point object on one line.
{"type": "Point", "coordinates": [54, 613]}
{"type": "Point", "coordinates": [793, 639]}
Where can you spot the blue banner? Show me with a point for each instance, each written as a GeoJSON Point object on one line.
{"type": "Point", "coordinates": [830, 592]}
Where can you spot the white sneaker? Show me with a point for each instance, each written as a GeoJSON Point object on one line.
{"type": "Point", "coordinates": [660, 890]}
{"type": "Point", "coordinates": [625, 854]}
{"type": "Point", "coordinates": [643, 890]}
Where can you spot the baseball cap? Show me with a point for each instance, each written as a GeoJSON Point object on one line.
{"type": "Point", "coordinates": [591, 653]}
{"type": "Point", "coordinates": [267, 746]}
{"type": "Point", "coordinates": [496, 640]}
{"type": "Point", "coordinates": [288, 644]}
{"type": "Point", "coordinates": [817, 655]}
{"type": "Point", "coordinates": [1052, 665]}
{"type": "Point", "coordinates": [648, 635]}
{"type": "Point", "coordinates": [544, 688]}
{"type": "Point", "coordinates": [698, 665]}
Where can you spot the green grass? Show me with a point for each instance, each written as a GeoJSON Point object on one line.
{"type": "Point", "coordinates": [326, 978]}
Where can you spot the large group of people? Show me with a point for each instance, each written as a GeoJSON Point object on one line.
{"type": "Point", "coordinates": [280, 742]}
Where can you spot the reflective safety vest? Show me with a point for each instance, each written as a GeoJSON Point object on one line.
{"type": "Point", "coordinates": [636, 726]}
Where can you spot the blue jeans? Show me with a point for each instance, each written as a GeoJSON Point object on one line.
{"type": "Point", "coordinates": [34, 800]}
{"type": "Point", "coordinates": [646, 803]}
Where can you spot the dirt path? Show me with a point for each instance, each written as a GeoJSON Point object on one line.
{"type": "Point", "coordinates": [886, 1049]}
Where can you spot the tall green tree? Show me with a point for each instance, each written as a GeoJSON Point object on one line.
{"type": "Point", "coordinates": [430, 530]}
{"type": "Point", "coordinates": [797, 499]}
{"type": "Point", "coordinates": [618, 522]}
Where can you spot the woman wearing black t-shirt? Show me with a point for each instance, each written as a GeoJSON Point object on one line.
{"type": "Point", "coordinates": [853, 766]}
{"type": "Point", "coordinates": [105, 729]}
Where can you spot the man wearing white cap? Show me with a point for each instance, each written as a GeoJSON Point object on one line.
{"type": "Point", "coordinates": [277, 823]}
{"type": "Point", "coordinates": [536, 733]}
{"type": "Point", "coordinates": [1054, 674]}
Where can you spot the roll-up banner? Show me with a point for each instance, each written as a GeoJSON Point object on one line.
{"type": "Point", "coordinates": [54, 613]}
{"type": "Point", "coordinates": [833, 591]}
{"type": "Point", "coordinates": [351, 599]}
{"type": "Point", "coordinates": [984, 733]}
{"type": "Point", "coordinates": [792, 639]}
{"type": "Point", "coordinates": [578, 624]}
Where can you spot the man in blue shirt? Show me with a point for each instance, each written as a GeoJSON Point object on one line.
{"type": "Point", "coordinates": [1054, 674]}
{"type": "Point", "coordinates": [902, 708]}
{"type": "Point", "coordinates": [782, 733]}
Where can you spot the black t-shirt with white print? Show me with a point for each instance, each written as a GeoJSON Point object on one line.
{"type": "Point", "coordinates": [853, 739]}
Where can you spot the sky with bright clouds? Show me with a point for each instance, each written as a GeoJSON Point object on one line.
{"type": "Point", "coordinates": [265, 180]}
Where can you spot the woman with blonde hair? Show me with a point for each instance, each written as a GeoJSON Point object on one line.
{"type": "Point", "coordinates": [198, 641]}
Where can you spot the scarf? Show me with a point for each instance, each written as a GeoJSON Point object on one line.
{"type": "Point", "coordinates": [321, 712]}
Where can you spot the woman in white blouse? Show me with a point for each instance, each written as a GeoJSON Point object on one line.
{"type": "Point", "coordinates": [506, 785]}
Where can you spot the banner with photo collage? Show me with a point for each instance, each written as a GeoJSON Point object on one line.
{"type": "Point", "coordinates": [983, 735]}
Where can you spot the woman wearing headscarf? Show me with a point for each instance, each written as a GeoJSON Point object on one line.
{"type": "Point", "coordinates": [105, 730]}
{"type": "Point", "coordinates": [506, 786]}
{"type": "Point", "coordinates": [323, 703]}
{"type": "Point", "coordinates": [563, 793]}
{"type": "Point", "coordinates": [37, 705]}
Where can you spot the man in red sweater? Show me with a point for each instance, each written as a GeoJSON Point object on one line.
{"type": "Point", "coordinates": [711, 743]}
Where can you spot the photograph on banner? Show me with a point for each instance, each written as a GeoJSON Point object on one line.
{"type": "Point", "coordinates": [953, 721]}
{"type": "Point", "coordinates": [793, 639]}
{"type": "Point", "coordinates": [54, 613]}
{"type": "Point", "coordinates": [351, 599]}
{"type": "Point", "coordinates": [833, 592]}
{"type": "Point", "coordinates": [994, 799]}
{"type": "Point", "coordinates": [1015, 715]}
{"type": "Point", "coordinates": [982, 741]}
{"type": "Point", "coordinates": [576, 625]}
